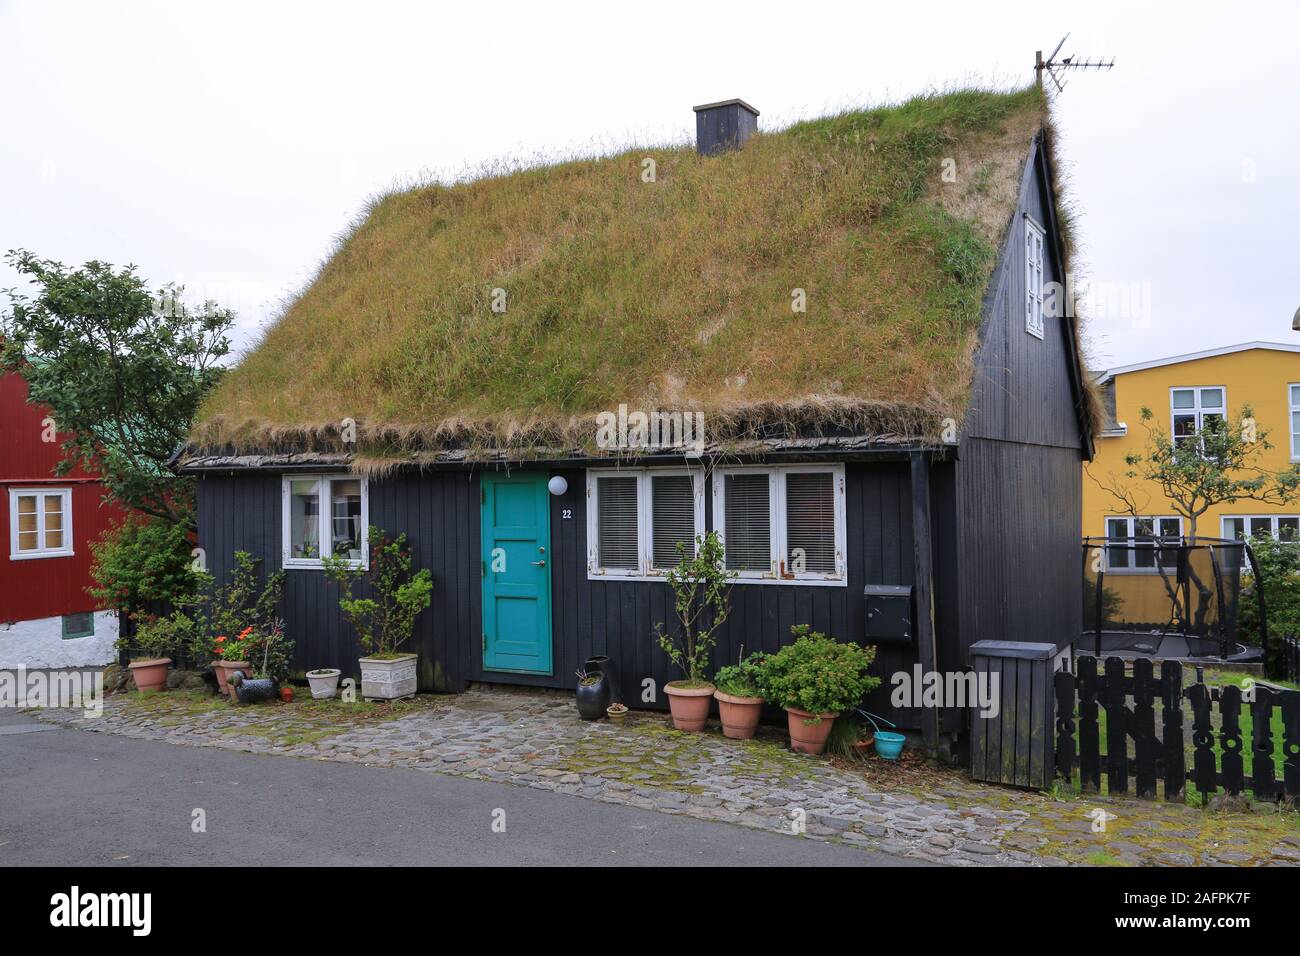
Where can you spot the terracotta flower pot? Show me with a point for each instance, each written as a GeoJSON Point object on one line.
{"type": "Point", "coordinates": [689, 705]}
{"type": "Point", "coordinates": [150, 674]}
{"type": "Point", "coordinates": [224, 669]}
{"type": "Point", "coordinates": [739, 714]}
{"type": "Point", "coordinates": [809, 738]}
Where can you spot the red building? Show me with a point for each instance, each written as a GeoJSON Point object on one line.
{"type": "Point", "coordinates": [46, 525]}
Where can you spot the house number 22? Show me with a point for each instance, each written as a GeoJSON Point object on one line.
{"type": "Point", "coordinates": [566, 514]}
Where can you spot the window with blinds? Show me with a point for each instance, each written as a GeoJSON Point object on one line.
{"type": "Point", "coordinates": [617, 523]}
{"type": "Point", "coordinates": [810, 521]}
{"type": "Point", "coordinates": [637, 516]}
{"type": "Point", "coordinates": [748, 529]}
{"type": "Point", "coordinates": [783, 524]}
{"type": "Point", "coordinates": [672, 518]}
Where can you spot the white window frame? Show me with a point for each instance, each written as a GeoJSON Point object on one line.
{"type": "Point", "coordinates": [777, 518]}
{"type": "Point", "coordinates": [1035, 275]}
{"type": "Point", "coordinates": [1247, 519]}
{"type": "Point", "coordinates": [1129, 519]}
{"type": "Point", "coordinates": [645, 571]}
{"type": "Point", "coordinates": [1292, 408]}
{"type": "Point", "coordinates": [326, 517]}
{"type": "Point", "coordinates": [41, 552]}
{"type": "Point", "coordinates": [1197, 410]}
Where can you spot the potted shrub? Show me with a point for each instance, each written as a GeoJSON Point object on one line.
{"type": "Point", "coordinates": [815, 679]}
{"type": "Point", "coordinates": [223, 668]}
{"type": "Point", "coordinates": [740, 702]}
{"type": "Point", "coordinates": [386, 621]}
{"type": "Point", "coordinates": [156, 641]}
{"type": "Point", "coordinates": [324, 682]}
{"type": "Point", "coordinates": [701, 599]}
{"type": "Point", "coordinates": [267, 650]}
{"type": "Point", "coordinates": [233, 611]}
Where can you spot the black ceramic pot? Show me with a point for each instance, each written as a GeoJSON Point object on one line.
{"type": "Point", "coordinates": [603, 665]}
{"type": "Point", "coordinates": [593, 698]}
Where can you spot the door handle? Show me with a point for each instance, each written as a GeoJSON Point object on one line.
{"type": "Point", "coordinates": [540, 564]}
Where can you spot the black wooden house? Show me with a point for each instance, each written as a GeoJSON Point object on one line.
{"type": "Point", "coordinates": [897, 463]}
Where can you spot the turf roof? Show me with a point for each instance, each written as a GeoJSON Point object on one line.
{"type": "Point", "coordinates": [674, 294]}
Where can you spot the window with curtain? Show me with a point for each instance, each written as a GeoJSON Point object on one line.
{"type": "Point", "coordinates": [324, 515]}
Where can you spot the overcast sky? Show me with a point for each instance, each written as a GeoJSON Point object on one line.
{"type": "Point", "coordinates": [225, 144]}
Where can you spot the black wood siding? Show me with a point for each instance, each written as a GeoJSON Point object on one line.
{"type": "Point", "coordinates": [1012, 512]}
{"type": "Point", "coordinates": [439, 512]}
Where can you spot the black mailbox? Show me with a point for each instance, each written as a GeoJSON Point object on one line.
{"type": "Point", "coordinates": [889, 612]}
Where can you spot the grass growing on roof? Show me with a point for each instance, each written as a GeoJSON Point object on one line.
{"type": "Point", "coordinates": [666, 295]}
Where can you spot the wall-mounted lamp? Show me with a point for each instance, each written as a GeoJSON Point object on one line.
{"type": "Point", "coordinates": [557, 485]}
{"type": "Point", "coordinates": [1295, 321]}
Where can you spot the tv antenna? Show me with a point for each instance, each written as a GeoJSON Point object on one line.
{"type": "Point", "coordinates": [1052, 66]}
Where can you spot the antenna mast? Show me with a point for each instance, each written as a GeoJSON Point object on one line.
{"type": "Point", "coordinates": [1052, 66]}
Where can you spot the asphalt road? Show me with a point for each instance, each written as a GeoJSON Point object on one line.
{"type": "Point", "coordinates": [72, 798]}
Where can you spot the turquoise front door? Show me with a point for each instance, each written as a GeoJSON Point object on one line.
{"type": "Point", "coordinates": [516, 573]}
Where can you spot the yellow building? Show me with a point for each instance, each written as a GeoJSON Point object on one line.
{"type": "Point", "coordinates": [1183, 392]}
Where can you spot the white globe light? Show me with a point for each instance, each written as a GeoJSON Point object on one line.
{"type": "Point", "coordinates": [557, 485]}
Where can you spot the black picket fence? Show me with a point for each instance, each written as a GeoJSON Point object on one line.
{"type": "Point", "coordinates": [1291, 658]}
{"type": "Point", "coordinates": [1120, 707]}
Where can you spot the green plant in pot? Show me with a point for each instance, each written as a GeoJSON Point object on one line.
{"type": "Point", "coordinates": [386, 621]}
{"type": "Point", "coordinates": [739, 695]}
{"type": "Point", "coordinates": [155, 643]}
{"type": "Point", "coordinates": [701, 600]}
{"type": "Point", "coordinates": [266, 650]}
{"type": "Point", "coordinates": [815, 679]}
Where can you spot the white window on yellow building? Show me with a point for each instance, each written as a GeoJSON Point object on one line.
{"type": "Point", "coordinates": [1191, 409]}
{"type": "Point", "coordinates": [1293, 393]}
{"type": "Point", "coordinates": [1136, 544]}
{"type": "Point", "coordinates": [1281, 527]}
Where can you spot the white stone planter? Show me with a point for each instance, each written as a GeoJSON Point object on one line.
{"type": "Point", "coordinates": [388, 679]}
{"type": "Point", "coordinates": [324, 682]}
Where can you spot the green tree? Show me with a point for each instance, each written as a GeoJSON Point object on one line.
{"type": "Point", "coordinates": [142, 563]}
{"type": "Point", "coordinates": [702, 600]}
{"type": "Point", "coordinates": [1220, 464]}
{"type": "Point", "coordinates": [385, 622]}
{"type": "Point", "coordinates": [1279, 580]}
{"type": "Point", "coordinates": [122, 369]}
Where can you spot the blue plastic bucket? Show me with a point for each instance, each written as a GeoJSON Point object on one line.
{"type": "Point", "coordinates": [889, 745]}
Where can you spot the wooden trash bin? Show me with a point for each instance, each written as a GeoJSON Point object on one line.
{"type": "Point", "coordinates": [1015, 745]}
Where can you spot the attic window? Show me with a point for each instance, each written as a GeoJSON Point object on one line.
{"type": "Point", "coordinates": [782, 525]}
{"type": "Point", "coordinates": [1033, 278]}
{"type": "Point", "coordinates": [40, 523]}
{"type": "Point", "coordinates": [637, 517]}
{"type": "Point", "coordinates": [324, 512]}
